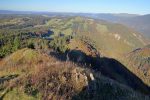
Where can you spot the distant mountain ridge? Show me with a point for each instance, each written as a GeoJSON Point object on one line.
{"type": "Point", "coordinates": [141, 23]}
{"type": "Point", "coordinates": [108, 36]}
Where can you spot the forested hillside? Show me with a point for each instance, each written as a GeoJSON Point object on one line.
{"type": "Point", "coordinates": [71, 58]}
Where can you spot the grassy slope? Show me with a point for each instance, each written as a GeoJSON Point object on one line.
{"type": "Point", "coordinates": [112, 39]}
{"type": "Point", "coordinates": [46, 77]}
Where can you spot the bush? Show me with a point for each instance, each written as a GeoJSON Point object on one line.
{"type": "Point", "coordinates": [60, 44]}
{"type": "Point", "coordinates": [16, 44]}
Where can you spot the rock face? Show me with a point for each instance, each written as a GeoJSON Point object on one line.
{"type": "Point", "coordinates": [84, 46]}
{"type": "Point", "coordinates": [81, 51]}
{"type": "Point", "coordinates": [92, 77]}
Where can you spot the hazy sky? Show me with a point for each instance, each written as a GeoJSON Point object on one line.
{"type": "Point", "coordinates": [95, 6]}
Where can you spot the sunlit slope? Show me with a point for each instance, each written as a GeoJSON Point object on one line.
{"type": "Point", "coordinates": [138, 61]}
{"type": "Point", "coordinates": [112, 39]}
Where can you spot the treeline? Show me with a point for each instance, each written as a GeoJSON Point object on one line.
{"type": "Point", "coordinates": [19, 31]}
{"type": "Point", "coordinates": [12, 42]}
{"type": "Point", "coordinates": [21, 21]}
{"type": "Point", "coordinates": [9, 43]}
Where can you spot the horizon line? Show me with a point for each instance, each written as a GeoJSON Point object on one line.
{"type": "Point", "coordinates": [38, 11]}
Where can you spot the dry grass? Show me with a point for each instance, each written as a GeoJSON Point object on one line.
{"type": "Point", "coordinates": [56, 80]}
{"type": "Point", "coordinates": [48, 75]}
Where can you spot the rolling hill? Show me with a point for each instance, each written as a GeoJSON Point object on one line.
{"type": "Point", "coordinates": [112, 39]}
{"type": "Point", "coordinates": [139, 23]}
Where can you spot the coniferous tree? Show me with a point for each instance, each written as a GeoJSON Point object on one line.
{"type": "Point", "coordinates": [16, 44]}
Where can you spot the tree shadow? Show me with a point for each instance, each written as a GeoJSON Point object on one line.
{"type": "Point", "coordinates": [117, 71]}
{"type": "Point", "coordinates": [108, 67]}
{"type": "Point", "coordinates": [59, 56]}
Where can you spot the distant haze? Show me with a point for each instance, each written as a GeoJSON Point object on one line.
{"type": "Point", "coordinates": [82, 6]}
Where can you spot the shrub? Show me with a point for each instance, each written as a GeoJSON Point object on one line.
{"type": "Point", "coordinates": [5, 50]}
{"type": "Point", "coordinates": [16, 44]}
{"type": "Point", "coordinates": [60, 44]}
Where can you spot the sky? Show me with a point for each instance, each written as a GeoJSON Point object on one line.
{"type": "Point", "coordinates": [83, 6]}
